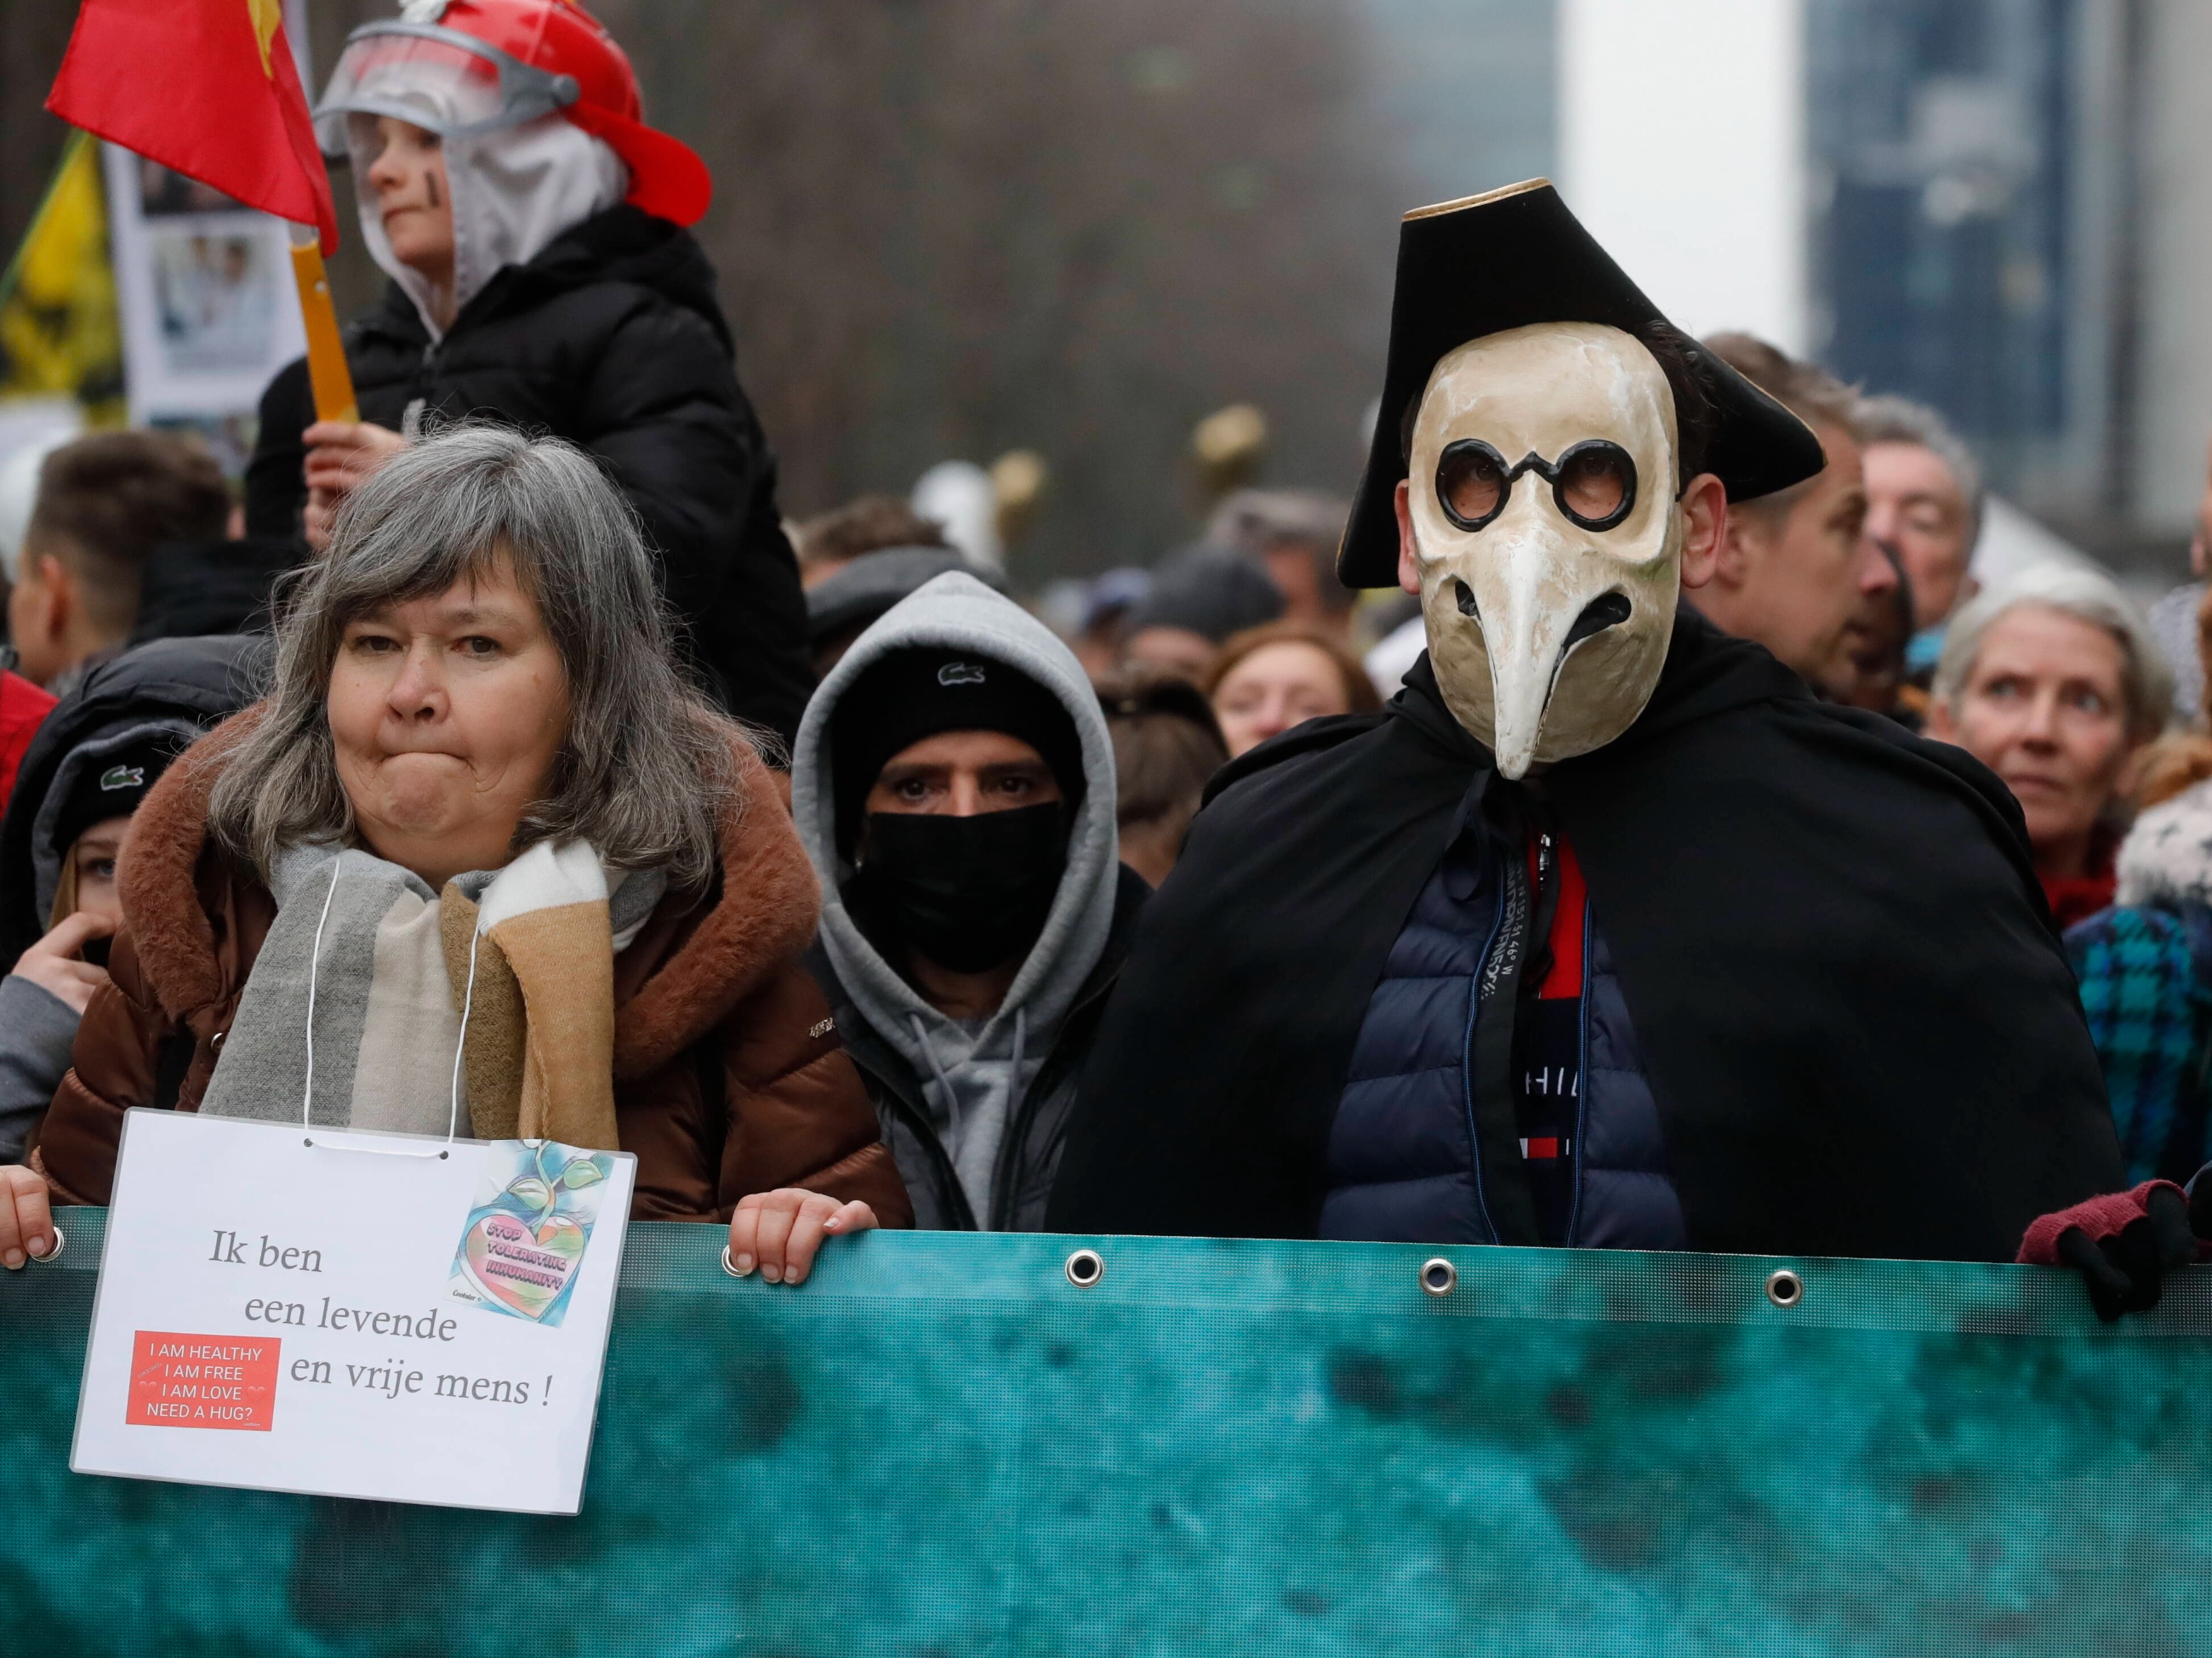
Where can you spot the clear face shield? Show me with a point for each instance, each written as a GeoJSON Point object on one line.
{"type": "Point", "coordinates": [1541, 491]}
{"type": "Point", "coordinates": [439, 79]}
{"type": "Point", "coordinates": [518, 173]}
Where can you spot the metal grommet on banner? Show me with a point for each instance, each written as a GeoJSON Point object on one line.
{"type": "Point", "coordinates": [54, 1253]}
{"type": "Point", "coordinates": [1085, 1268]}
{"type": "Point", "coordinates": [1439, 1276]}
{"type": "Point", "coordinates": [1784, 1288]}
{"type": "Point", "coordinates": [729, 1265]}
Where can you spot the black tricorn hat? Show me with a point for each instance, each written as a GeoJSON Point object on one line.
{"type": "Point", "coordinates": [1504, 260]}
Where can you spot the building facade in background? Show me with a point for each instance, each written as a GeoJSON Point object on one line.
{"type": "Point", "coordinates": [1968, 227]}
{"type": "Point", "coordinates": [2012, 221]}
{"type": "Point", "coordinates": [2003, 208]}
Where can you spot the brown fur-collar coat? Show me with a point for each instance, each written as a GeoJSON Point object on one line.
{"type": "Point", "coordinates": [729, 1078]}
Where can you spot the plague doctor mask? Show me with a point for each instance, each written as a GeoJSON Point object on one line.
{"type": "Point", "coordinates": [1541, 464]}
{"type": "Point", "coordinates": [1542, 486]}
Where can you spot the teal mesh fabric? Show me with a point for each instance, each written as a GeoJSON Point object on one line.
{"type": "Point", "coordinates": [941, 1447]}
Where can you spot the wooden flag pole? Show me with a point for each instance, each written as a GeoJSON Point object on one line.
{"type": "Point", "coordinates": [327, 361]}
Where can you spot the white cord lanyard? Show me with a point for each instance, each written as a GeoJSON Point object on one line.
{"type": "Point", "coordinates": [307, 1094]}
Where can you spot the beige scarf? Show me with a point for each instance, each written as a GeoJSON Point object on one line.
{"type": "Point", "coordinates": [383, 977]}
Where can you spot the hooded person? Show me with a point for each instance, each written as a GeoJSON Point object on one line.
{"type": "Point", "coordinates": [543, 275]}
{"type": "Point", "coordinates": [96, 759]}
{"type": "Point", "coordinates": [954, 785]}
{"type": "Point", "coordinates": [1605, 932]}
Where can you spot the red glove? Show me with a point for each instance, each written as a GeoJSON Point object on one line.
{"type": "Point", "coordinates": [2122, 1244]}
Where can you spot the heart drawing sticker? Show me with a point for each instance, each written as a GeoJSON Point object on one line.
{"type": "Point", "coordinates": [523, 1273]}
{"type": "Point", "coordinates": [527, 1233]}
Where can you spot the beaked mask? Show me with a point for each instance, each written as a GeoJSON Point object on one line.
{"type": "Point", "coordinates": [1542, 492]}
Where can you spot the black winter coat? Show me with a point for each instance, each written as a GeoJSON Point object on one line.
{"type": "Point", "coordinates": [611, 337]}
{"type": "Point", "coordinates": [1860, 1030]}
{"type": "Point", "coordinates": [202, 682]}
{"type": "Point", "coordinates": [1029, 1157]}
{"type": "Point", "coordinates": [194, 589]}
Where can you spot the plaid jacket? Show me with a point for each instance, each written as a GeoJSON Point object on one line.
{"type": "Point", "coordinates": [2146, 976]}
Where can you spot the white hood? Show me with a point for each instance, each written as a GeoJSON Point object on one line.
{"type": "Point", "coordinates": [514, 189]}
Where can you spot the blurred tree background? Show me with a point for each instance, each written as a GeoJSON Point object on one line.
{"type": "Point", "coordinates": [947, 228]}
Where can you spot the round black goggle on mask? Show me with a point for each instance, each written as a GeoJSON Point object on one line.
{"type": "Point", "coordinates": [1592, 483]}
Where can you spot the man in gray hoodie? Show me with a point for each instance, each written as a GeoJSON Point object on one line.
{"type": "Point", "coordinates": [953, 780]}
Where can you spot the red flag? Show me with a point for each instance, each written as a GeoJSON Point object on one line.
{"type": "Point", "coordinates": [206, 88]}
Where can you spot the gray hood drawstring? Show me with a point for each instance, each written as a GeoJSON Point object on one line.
{"type": "Point", "coordinates": [945, 1089]}
{"type": "Point", "coordinates": [1002, 1110]}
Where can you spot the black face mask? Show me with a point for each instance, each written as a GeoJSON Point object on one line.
{"type": "Point", "coordinates": [968, 893]}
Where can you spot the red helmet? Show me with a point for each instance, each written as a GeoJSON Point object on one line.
{"type": "Point", "coordinates": [464, 66]}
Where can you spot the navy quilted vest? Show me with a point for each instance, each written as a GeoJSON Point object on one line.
{"type": "Point", "coordinates": [1401, 1164]}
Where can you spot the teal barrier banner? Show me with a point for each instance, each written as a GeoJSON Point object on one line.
{"type": "Point", "coordinates": [943, 1445]}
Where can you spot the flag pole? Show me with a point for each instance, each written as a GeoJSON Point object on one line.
{"type": "Point", "coordinates": [327, 361]}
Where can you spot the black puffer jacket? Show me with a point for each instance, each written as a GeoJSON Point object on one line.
{"type": "Point", "coordinates": [194, 588]}
{"type": "Point", "coordinates": [611, 337]}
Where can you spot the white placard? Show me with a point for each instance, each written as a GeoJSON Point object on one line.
{"type": "Point", "coordinates": [352, 1315]}
{"type": "Point", "coordinates": [204, 290]}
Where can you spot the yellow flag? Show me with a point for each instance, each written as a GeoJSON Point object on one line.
{"type": "Point", "coordinates": [58, 333]}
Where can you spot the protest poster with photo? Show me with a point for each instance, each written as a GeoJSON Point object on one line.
{"type": "Point", "coordinates": [204, 288]}
{"type": "Point", "coordinates": [353, 1314]}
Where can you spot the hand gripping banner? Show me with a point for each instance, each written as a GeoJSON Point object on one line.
{"type": "Point", "coordinates": [953, 1444]}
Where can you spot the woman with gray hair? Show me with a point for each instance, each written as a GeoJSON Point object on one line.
{"type": "Point", "coordinates": [2053, 682]}
{"type": "Point", "coordinates": [481, 857]}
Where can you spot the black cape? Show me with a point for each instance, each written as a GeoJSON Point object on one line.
{"type": "Point", "coordinates": [1862, 1031]}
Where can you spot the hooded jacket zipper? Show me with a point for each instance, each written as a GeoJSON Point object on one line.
{"type": "Point", "coordinates": [1482, 962]}
{"type": "Point", "coordinates": [1033, 1098]}
{"type": "Point", "coordinates": [918, 1124]}
{"type": "Point", "coordinates": [1519, 943]}
{"type": "Point", "coordinates": [1582, 1094]}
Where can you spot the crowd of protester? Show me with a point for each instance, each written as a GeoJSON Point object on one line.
{"type": "Point", "coordinates": [877, 1006]}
